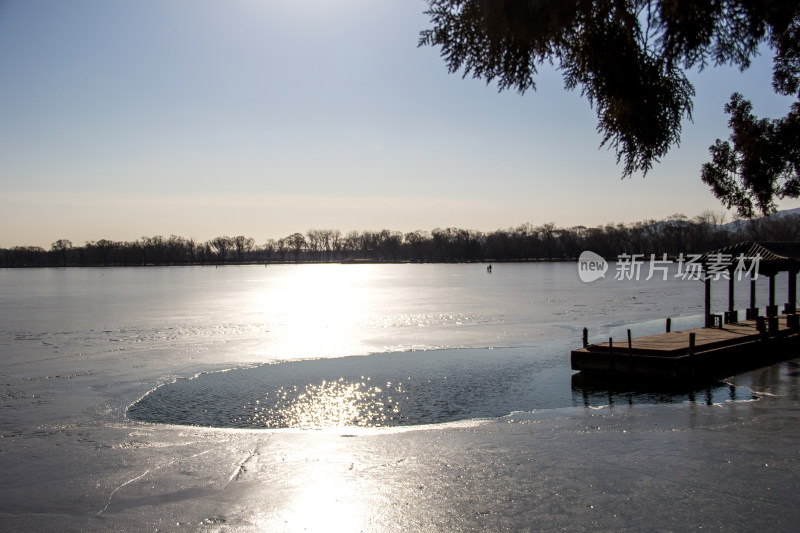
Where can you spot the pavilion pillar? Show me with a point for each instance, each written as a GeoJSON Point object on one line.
{"type": "Point", "coordinates": [730, 294]}
{"type": "Point", "coordinates": [772, 309]}
{"type": "Point", "coordinates": [792, 318]}
{"type": "Point", "coordinates": [731, 316]}
{"type": "Point", "coordinates": [752, 311]}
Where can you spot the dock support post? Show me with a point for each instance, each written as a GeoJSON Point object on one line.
{"type": "Point", "coordinates": [585, 337]}
{"type": "Point", "coordinates": [630, 344]}
{"type": "Point", "coordinates": [691, 343]}
{"type": "Point", "coordinates": [669, 325]}
{"type": "Point", "coordinates": [707, 282]}
{"type": "Point", "coordinates": [761, 327]}
{"type": "Point", "coordinates": [773, 327]}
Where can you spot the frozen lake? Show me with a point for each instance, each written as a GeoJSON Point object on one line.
{"type": "Point", "coordinates": [507, 441]}
{"type": "Point", "coordinates": [356, 345]}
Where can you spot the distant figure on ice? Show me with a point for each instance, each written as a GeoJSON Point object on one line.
{"type": "Point", "coordinates": [489, 269]}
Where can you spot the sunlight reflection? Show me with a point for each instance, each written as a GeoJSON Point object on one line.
{"type": "Point", "coordinates": [327, 490]}
{"type": "Point", "coordinates": [329, 404]}
{"type": "Point", "coordinates": [327, 496]}
{"type": "Point", "coordinates": [316, 310]}
{"type": "Point", "coordinates": [327, 503]}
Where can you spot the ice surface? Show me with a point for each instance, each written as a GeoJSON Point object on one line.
{"type": "Point", "coordinates": [77, 347]}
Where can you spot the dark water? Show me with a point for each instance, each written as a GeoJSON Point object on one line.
{"type": "Point", "coordinates": [394, 389]}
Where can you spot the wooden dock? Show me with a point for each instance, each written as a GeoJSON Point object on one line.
{"type": "Point", "coordinates": [695, 353]}
{"type": "Point", "coordinates": [725, 345]}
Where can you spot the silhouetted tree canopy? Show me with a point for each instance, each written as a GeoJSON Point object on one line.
{"type": "Point", "coordinates": [630, 60]}
{"type": "Point", "coordinates": [763, 162]}
{"type": "Point", "coordinates": [674, 235]}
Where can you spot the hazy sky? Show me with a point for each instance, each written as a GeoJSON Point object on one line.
{"type": "Point", "coordinates": [200, 118]}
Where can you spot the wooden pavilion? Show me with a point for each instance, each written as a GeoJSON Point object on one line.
{"type": "Point", "coordinates": [726, 344]}
{"type": "Point", "coordinates": [754, 259]}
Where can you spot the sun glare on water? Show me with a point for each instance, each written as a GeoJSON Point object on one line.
{"type": "Point", "coordinates": [317, 310]}
{"type": "Point", "coordinates": [337, 403]}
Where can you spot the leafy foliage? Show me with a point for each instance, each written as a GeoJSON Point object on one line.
{"type": "Point", "coordinates": [763, 162]}
{"type": "Point", "coordinates": [629, 59]}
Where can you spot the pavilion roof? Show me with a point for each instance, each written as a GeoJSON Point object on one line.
{"type": "Point", "coordinates": [774, 256]}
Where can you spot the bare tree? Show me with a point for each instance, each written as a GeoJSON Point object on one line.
{"type": "Point", "coordinates": [335, 243]}
{"type": "Point", "coordinates": [283, 248]}
{"type": "Point", "coordinates": [221, 246]}
{"type": "Point", "coordinates": [314, 243]}
{"type": "Point", "coordinates": [269, 248]}
{"type": "Point", "coordinates": [242, 245]}
{"type": "Point", "coordinates": [191, 247]}
{"type": "Point", "coordinates": [61, 248]}
{"type": "Point", "coordinates": [296, 241]}
{"type": "Point", "coordinates": [352, 243]}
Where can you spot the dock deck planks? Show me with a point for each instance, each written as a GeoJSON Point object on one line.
{"type": "Point", "coordinates": [677, 342]}
{"type": "Point", "coordinates": [668, 354]}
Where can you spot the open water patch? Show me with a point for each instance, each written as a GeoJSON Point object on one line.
{"type": "Point", "coordinates": [389, 389]}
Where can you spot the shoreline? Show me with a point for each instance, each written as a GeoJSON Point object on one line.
{"type": "Point", "coordinates": [284, 263]}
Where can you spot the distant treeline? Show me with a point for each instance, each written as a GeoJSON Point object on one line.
{"type": "Point", "coordinates": [674, 235]}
